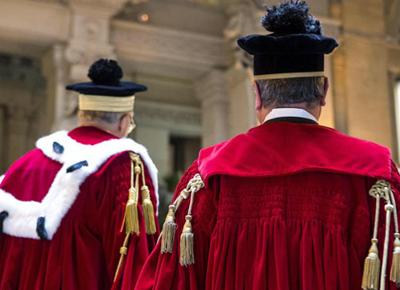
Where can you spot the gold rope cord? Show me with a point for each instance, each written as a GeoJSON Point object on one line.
{"type": "Point", "coordinates": [374, 271]}
{"type": "Point", "coordinates": [131, 218]}
{"type": "Point", "coordinates": [169, 228]}
{"type": "Point", "coordinates": [123, 252]}
{"type": "Point", "coordinates": [395, 268]}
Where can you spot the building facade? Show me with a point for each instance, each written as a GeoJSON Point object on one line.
{"type": "Point", "coordinates": [185, 52]}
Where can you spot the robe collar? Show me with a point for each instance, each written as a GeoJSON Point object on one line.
{"type": "Point", "coordinates": [288, 114]}
{"type": "Point", "coordinates": [90, 135]}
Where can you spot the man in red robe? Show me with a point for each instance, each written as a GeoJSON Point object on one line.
{"type": "Point", "coordinates": [289, 205]}
{"type": "Point", "coordinates": [78, 212]}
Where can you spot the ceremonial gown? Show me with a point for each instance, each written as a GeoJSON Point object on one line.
{"type": "Point", "coordinates": [285, 207]}
{"type": "Point", "coordinates": [83, 252]}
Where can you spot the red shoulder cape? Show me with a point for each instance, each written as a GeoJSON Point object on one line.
{"type": "Point", "coordinates": [283, 148]}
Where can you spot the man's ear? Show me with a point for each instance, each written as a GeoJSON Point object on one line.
{"type": "Point", "coordinates": [123, 123]}
{"type": "Point", "coordinates": [326, 88]}
{"type": "Point", "coordinates": [258, 96]}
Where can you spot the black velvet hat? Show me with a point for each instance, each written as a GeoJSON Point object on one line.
{"type": "Point", "coordinates": [106, 92]}
{"type": "Point", "coordinates": [105, 76]}
{"type": "Point", "coordinates": [295, 47]}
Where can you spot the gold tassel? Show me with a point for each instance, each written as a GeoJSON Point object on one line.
{"type": "Point", "coordinates": [370, 280]}
{"type": "Point", "coordinates": [395, 269]}
{"type": "Point", "coordinates": [148, 211]}
{"type": "Point", "coordinates": [168, 231]}
{"type": "Point", "coordinates": [186, 245]}
{"type": "Point", "coordinates": [131, 213]}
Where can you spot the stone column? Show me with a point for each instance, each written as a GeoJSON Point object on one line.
{"type": "Point", "coordinates": [242, 101]}
{"type": "Point", "coordinates": [330, 28]}
{"type": "Point", "coordinates": [243, 19]}
{"type": "Point", "coordinates": [3, 144]}
{"type": "Point", "coordinates": [366, 71]}
{"type": "Point", "coordinates": [89, 40]}
{"type": "Point", "coordinates": [54, 69]}
{"type": "Point", "coordinates": [212, 92]}
{"type": "Point", "coordinates": [156, 140]}
{"type": "Point", "coordinates": [17, 135]}
{"type": "Point", "coordinates": [90, 34]}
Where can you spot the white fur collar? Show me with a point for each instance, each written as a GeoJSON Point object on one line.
{"type": "Point", "coordinates": [23, 216]}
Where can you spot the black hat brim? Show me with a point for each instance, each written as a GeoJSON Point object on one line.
{"type": "Point", "coordinates": [123, 89]}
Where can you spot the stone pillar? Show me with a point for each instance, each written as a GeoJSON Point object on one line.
{"type": "Point", "coordinates": [17, 135]}
{"type": "Point", "coordinates": [90, 34]}
{"type": "Point", "coordinates": [243, 19]}
{"type": "Point", "coordinates": [330, 28]}
{"type": "Point", "coordinates": [89, 40]}
{"type": "Point", "coordinates": [212, 92]}
{"type": "Point", "coordinates": [3, 139]}
{"type": "Point", "coordinates": [156, 140]}
{"type": "Point", "coordinates": [242, 101]}
{"type": "Point", "coordinates": [366, 71]}
{"type": "Point", "coordinates": [54, 69]}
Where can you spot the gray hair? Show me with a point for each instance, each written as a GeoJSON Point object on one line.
{"type": "Point", "coordinates": [95, 116]}
{"type": "Point", "coordinates": [281, 92]}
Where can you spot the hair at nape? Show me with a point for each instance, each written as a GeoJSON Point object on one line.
{"type": "Point", "coordinates": [280, 92]}
{"type": "Point", "coordinates": [96, 116]}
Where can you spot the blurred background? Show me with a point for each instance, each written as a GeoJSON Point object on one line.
{"type": "Point", "coordinates": [185, 52]}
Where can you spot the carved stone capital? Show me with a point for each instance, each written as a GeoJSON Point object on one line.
{"type": "Point", "coordinates": [89, 34]}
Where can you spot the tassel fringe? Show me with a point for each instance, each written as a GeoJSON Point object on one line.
{"type": "Point", "coordinates": [168, 231]}
{"type": "Point", "coordinates": [131, 213]}
{"type": "Point", "coordinates": [148, 211]}
{"type": "Point", "coordinates": [370, 280]}
{"type": "Point", "coordinates": [395, 269]}
{"type": "Point", "coordinates": [186, 245]}
{"type": "Point", "coordinates": [186, 257]}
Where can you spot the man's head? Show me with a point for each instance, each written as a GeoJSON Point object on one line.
{"type": "Point", "coordinates": [289, 62]}
{"type": "Point", "coordinates": [118, 124]}
{"type": "Point", "coordinates": [304, 93]}
{"type": "Point", "coordinates": [107, 102]}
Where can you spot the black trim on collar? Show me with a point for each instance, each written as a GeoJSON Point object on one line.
{"type": "Point", "coordinates": [292, 120]}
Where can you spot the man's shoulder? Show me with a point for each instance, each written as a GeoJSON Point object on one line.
{"type": "Point", "coordinates": [276, 149]}
{"type": "Point", "coordinates": [31, 159]}
{"type": "Point", "coordinates": [355, 141]}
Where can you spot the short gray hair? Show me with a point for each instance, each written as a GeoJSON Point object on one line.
{"type": "Point", "coordinates": [108, 117]}
{"type": "Point", "coordinates": [281, 92]}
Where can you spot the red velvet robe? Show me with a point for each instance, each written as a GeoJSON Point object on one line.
{"type": "Point", "coordinates": [84, 251]}
{"type": "Point", "coordinates": [285, 207]}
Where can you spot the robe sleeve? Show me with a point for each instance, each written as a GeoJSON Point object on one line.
{"type": "Point", "coordinates": [163, 271]}
{"type": "Point", "coordinates": [112, 200]}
